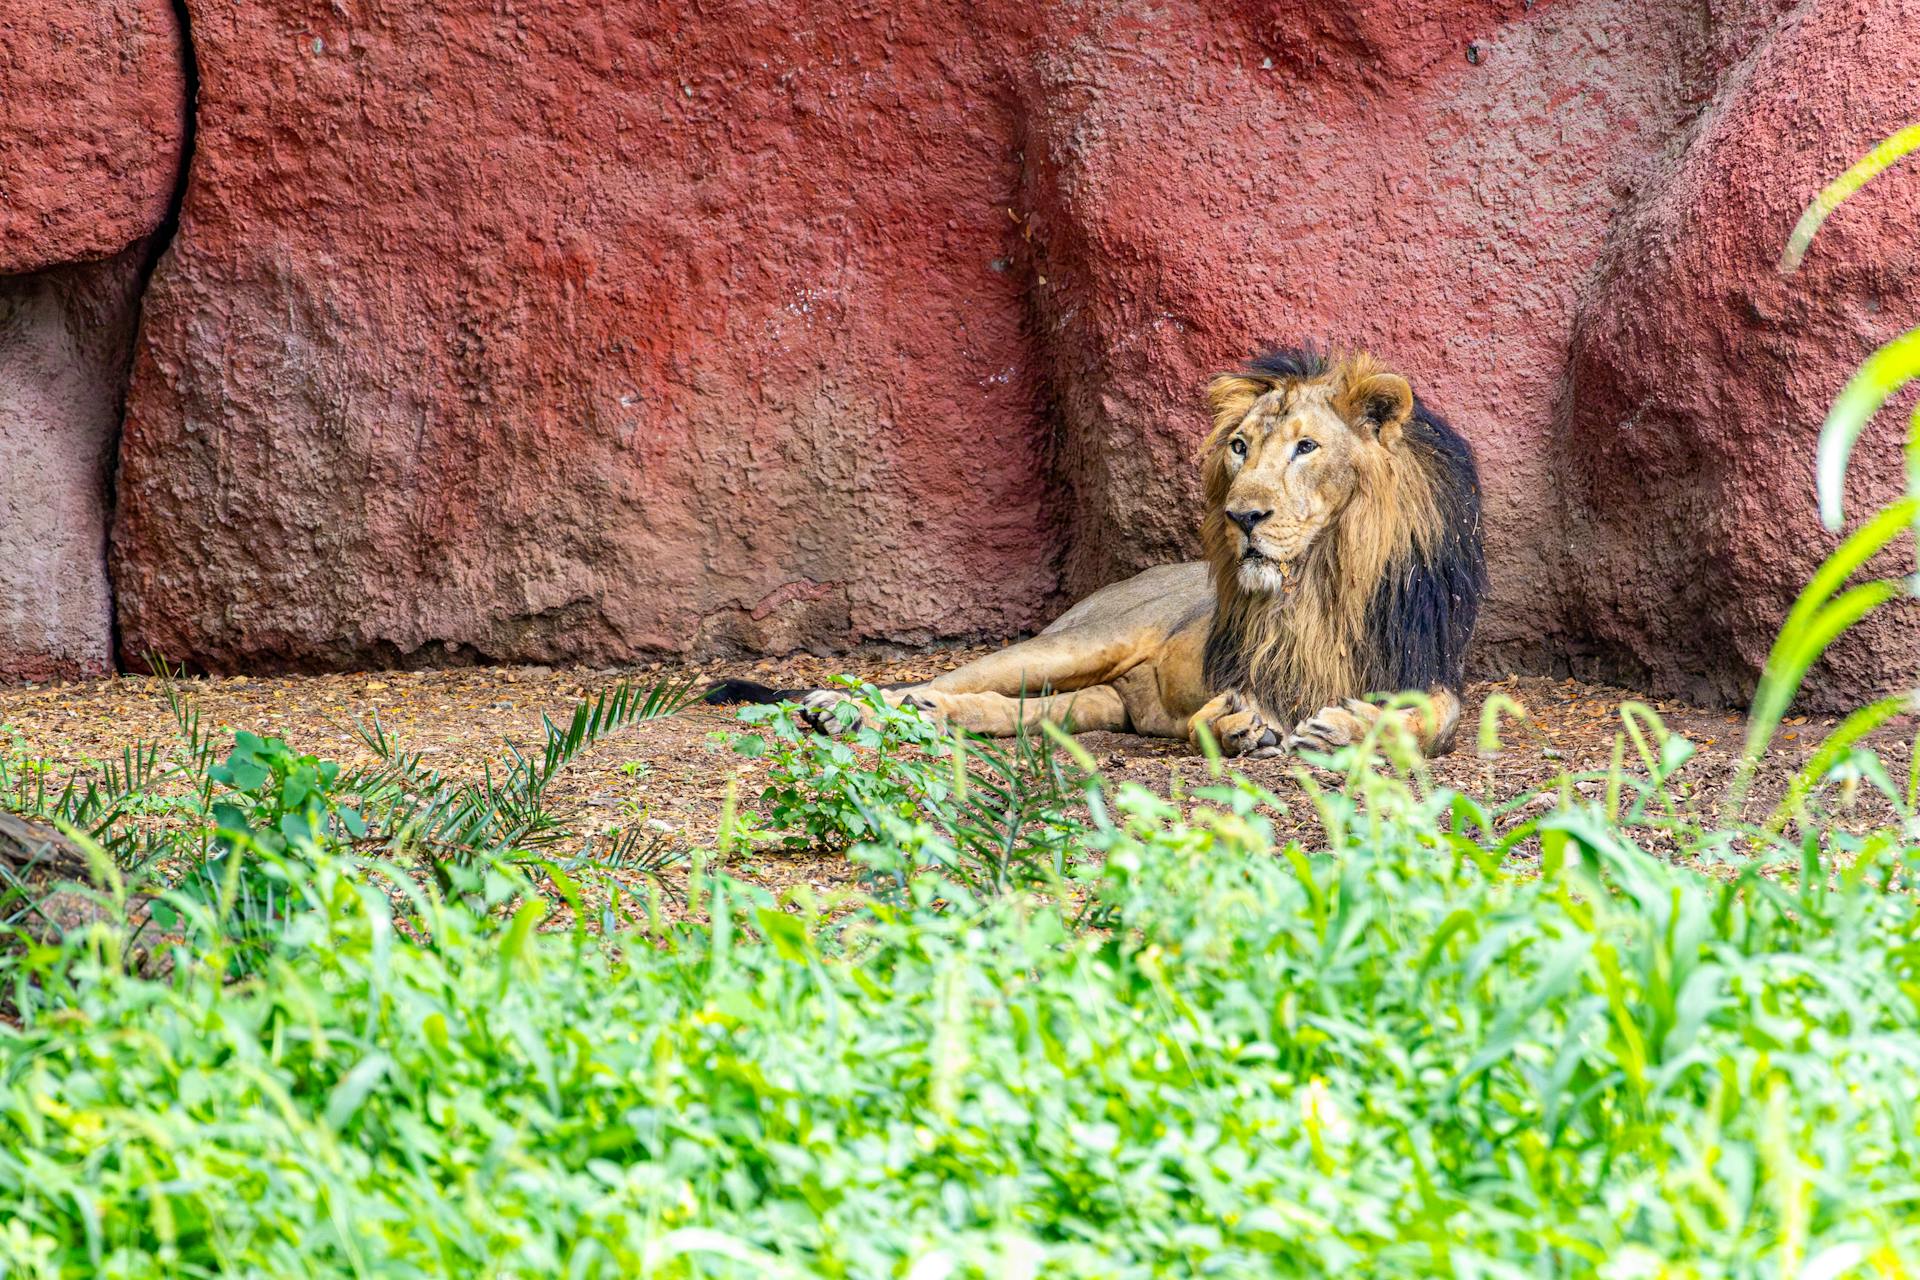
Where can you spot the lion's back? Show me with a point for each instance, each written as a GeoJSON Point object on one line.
{"type": "Point", "coordinates": [1164, 597]}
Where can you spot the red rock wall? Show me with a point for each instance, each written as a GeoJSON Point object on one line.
{"type": "Point", "coordinates": [579, 331]}
{"type": "Point", "coordinates": [92, 122]}
{"type": "Point", "coordinates": [92, 106]}
{"type": "Point", "coordinates": [1700, 375]}
{"type": "Point", "coordinates": [582, 331]}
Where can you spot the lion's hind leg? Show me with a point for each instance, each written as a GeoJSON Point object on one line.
{"type": "Point", "coordinates": [992, 715]}
{"type": "Point", "coordinates": [1053, 662]}
{"type": "Point", "coordinates": [1097, 708]}
{"type": "Point", "coordinates": [1022, 684]}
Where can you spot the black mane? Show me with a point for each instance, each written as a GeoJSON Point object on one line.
{"type": "Point", "coordinates": [1306, 361]}
{"type": "Point", "coordinates": [1421, 617]}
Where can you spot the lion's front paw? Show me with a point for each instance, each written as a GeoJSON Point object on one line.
{"type": "Point", "coordinates": [1240, 730]}
{"type": "Point", "coordinates": [1328, 729]}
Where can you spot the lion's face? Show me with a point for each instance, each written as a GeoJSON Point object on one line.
{"type": "Point", "coordinates": [1284, 461]}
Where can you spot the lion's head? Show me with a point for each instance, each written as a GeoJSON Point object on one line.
{"type": "Point", "coordinates": [1342, 533]}
{"type": "Point", "coordinates": [1289, 456]}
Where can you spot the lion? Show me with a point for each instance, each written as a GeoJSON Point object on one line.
{"type": "Point", "coordinates": [1343, 558]}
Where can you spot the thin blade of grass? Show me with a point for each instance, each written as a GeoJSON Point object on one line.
{"type": "Point", "coordinates": [1864, 170]}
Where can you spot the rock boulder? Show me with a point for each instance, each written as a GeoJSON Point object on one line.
{"type": "Point", "coordinates": [1700, 375]}
{"type": "Point", "coordinates": [65, 336]}
{"type": "Point", "coordinates": [92, 118]}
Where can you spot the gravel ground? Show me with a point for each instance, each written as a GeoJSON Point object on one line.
{"type": "Point", "coordinates": [671, 776]}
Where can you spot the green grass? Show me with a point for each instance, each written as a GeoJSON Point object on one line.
{"type": "Point", "coordinates": [1401, 1054]}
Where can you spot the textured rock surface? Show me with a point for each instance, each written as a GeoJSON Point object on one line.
{"type": "Point", "coordinates": [582, 331]}
{"type": "Point", "coordinates": [1700, 376]}
{"type": "Point", "coordinates": [579, 331]}
{"type": "Point", "coordinates": [92, 116]}
{"type": "Point", "coordinates": [65, 335]}
{"type": "Point", "coordinates": [92, 122]}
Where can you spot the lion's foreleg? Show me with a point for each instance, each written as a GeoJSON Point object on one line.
{"type": "Point", "coordinates": [1431, 725]}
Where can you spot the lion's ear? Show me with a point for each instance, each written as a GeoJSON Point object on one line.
{"type": "Point", "coordinates": [1380, 403]}
{"type": "Point", "coordinates": [1230, 395]}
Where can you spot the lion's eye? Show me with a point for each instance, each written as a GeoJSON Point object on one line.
{"type": "Point", "coordinates": [1304, 448]}
{"type": "Point", "coordinates": [1238, 446]}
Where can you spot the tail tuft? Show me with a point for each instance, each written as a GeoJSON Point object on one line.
{"type": "Point", "coordinates": [730, 692]}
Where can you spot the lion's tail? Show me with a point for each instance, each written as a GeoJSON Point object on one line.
{"type": "Point", "coordinates": [731, 692]}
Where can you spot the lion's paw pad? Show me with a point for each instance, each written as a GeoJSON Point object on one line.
{"type": "Point", "coordinates": [1243, 732]}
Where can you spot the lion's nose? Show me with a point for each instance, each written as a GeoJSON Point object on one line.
{"type": "Point", "coordinates": [1247, 519]}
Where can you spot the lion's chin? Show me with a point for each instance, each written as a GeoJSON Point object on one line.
{"type": "Point", "coordinates": [1265, 576]}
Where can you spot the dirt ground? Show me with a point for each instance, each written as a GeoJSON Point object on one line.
{"type": "Point", "coordinates": [671, 776]}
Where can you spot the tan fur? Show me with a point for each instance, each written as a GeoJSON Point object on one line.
{"type": "Point", "coordinates": [1131, 656]}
